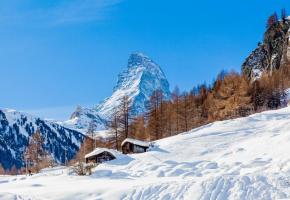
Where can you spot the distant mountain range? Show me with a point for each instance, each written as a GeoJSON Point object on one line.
{"type": "Point", "coordinates": [16, 128]}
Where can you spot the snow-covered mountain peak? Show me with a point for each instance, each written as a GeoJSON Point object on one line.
{"type": "Point", "coordinates": [138, 59]}
{"type": "Point", "coordinates": [139, 65]}
{"type": "Point", "coordinates": [144, 63]}
{"type": "Point", "coordinates": [138, 81]}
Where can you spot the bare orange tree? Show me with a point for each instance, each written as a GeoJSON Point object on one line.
{"type": "Point", "coordinates": [2, 171]}
{"type": "Point", "coordinates": [35, 154]}
{"type": "Point", "coordinates": [124, 115]}
{"type": "Point", "coordinates": [113, 124]}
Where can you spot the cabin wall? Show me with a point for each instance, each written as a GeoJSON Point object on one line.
{"type": "Point", "coordinates": [133, 148]}
{"type": "Point", "coordinates": [100, 158]}
{"type": "Point", "coordinates": [127, 148]}
{"type": "Point", "coordinates": [139, 149]}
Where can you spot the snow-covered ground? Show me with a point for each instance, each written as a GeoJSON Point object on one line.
{"type": "Point", "coordinates": [246, 158]}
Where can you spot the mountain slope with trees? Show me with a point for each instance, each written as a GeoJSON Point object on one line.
{"type": "Point", "coordinates": [260, 86]}
{"type": "Point", "coordinates": [17, 129]}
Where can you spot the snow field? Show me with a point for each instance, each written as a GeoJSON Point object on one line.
{"type": "Point", "coordinates": [246, 158]}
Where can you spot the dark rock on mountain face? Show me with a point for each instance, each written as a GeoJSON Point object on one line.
{"type": "Point", "coordinates": [271, 54]}
{"type": "Point", "coordinates": [16, 129]}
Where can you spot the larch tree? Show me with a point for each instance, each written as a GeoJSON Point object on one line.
{"type": "Point", "coordinates": [2, 171]}
{"type": "Point", "coordinates": [155, 115]}
{"type": "Point", "coordinates": [168, 118]}
{"type": "Point", "coordinates": [91, 132]}
{"type": "Point", "coordinates": [124, 113]}
{"type": "Point", "coordinates": [13, 171]}
{"type": "Point", "coordinates": [185, 112]}
{"type": "Point", "coordinates": [114, 125]}
{"type": "Point", "coordinates": [35, 151]}
{"type": "Point", "coordinates": [176, 109]}
{"type": "Point", "coordinates": [138, 129]}
{"type": "Point", "coordinates": [85, 148]}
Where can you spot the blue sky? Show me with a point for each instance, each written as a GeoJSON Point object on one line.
{"type": "Point", "coordinates": [57, 54]}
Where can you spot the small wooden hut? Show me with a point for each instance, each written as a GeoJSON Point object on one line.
{"type": "Point", "coordinates": [130, 145]}
{"type": "Point", "coordinates": [100, 155]}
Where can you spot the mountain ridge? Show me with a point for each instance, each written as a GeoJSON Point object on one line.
{"type": "Point", "coordinates": [16, 128]}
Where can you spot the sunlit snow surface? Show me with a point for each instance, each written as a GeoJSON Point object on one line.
{"type": "Point", "coordinates": [246, 158]}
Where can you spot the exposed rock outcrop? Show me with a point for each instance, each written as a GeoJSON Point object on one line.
{"type": "Point", "coordinates": [271, 54]}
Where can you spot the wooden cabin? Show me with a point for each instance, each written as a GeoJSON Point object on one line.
{"type": "Point", "coordinates": [100, 155]}
{"type": "Point", "coordinates": [130, 145]}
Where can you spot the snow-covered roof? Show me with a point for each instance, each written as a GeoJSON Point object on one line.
{"type": "Point", "coordinates": [97, 151]}
{"type": "Point", "coordinates": [137, 142]}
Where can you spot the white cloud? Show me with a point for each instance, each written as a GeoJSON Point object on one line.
{"type": "Point", "coordinates": [58, 12]}
{"type": "Point", "coordinates": [83, 10]}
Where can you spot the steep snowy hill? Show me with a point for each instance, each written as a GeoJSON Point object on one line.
{"type": "Point", "coordinates": [246, 158]}
{"type": "Point", "coordinates": [16, 128]}
{"type": "Point", "coordinates": [138, 81]}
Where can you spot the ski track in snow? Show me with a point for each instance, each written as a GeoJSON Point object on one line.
{"type": "Point", "coordinates": [246, 158]}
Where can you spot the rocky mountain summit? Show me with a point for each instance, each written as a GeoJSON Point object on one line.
{"type": "Point", "coordinates": [272, 53]}
{"type": "Point", "coordinates": [141, 78]}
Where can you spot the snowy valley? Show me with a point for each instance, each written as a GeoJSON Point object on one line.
{"type": "Point", "coordinates": [245, 158]}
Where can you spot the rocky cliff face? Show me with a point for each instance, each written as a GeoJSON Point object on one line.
{"type": "Point", "coordinates": [138, 81]}
{"type": "Point", "coordinates": [16, 129]}
{"type": "Point", "coordinates": [271, 54]}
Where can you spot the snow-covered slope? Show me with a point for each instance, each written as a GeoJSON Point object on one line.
{"type": "Point", "coordinates": [16, 128]}
{"type": "Point", "coordinates": [138, 81]}
{"type": "Point", "coordinates": [246, 158]}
